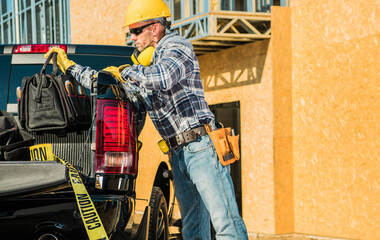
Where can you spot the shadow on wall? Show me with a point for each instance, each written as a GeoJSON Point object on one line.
{"type": "Point", "coordinates": [234, 67]}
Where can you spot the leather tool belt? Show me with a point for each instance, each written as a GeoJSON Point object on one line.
{"type": "Point", "coordinates": [186, 137]}
{"type": "Point", "coordinates": [224, 140]}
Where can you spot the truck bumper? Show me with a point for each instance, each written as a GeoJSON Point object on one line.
{"type": "Point", "coordinates": [57, 214]}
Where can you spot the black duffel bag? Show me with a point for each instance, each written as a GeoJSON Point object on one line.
{"type": "Point", "coordinates": [14, 142]}
{"type": "Point", "coordinates": [53, 103]}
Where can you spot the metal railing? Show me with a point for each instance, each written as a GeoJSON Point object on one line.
{"type": "Point", "coordinates": [34, 21]}
{"type": "Point", "coordinates": [185, 9]}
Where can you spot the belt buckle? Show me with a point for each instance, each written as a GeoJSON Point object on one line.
{"type": "Point", "coordinates": [183, 138]}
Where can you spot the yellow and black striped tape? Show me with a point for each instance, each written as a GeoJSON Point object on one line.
{"type": "Point", "coordinates": [91, 220]}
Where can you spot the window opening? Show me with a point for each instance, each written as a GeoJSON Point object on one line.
{"type": "Point", "coordinates": [177, 10]}
{"type": "Point", "coordinates": [234, 5]}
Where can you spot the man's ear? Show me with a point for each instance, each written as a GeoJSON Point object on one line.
{"type": "Point", "coordinates": [158, 30]}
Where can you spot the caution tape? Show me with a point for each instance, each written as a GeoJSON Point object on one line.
{"type": "Point", "coordinates": [91, 220]}
{"type": "Point", "coordinates": [41, 152]}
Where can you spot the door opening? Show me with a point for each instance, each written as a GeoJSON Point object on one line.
{"type": "Point", "coordinates": [229, 115]}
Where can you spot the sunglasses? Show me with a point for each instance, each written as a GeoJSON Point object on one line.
{"type": "Point", "coordinates": [139, 30]}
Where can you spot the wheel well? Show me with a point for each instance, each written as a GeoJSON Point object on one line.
{"type": "Point", "coordinates": [162, 182]}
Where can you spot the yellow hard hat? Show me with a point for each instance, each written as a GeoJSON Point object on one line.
{"type": "Point", "coordinates": [140, 10]}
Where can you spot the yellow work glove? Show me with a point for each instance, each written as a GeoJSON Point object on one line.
{"type": "Point", "coordinates": [122, 67]}
{"type": "Point", "coordinates": [115, 72]}
{"type": "Point", "coordinates": [63, 62]}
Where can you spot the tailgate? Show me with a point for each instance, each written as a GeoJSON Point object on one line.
{"type": "Point", "coordinates": [26, 177]}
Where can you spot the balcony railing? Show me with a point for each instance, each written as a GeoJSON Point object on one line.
{"type": "Point", "coordinates": [183, 9]}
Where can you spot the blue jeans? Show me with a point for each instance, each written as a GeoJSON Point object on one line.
{"type": "Point", "coordinates": [204, 189]}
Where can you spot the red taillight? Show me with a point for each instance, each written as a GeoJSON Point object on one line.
{"type": "Point", "coordinates": [115, 138]}
{"type": "Point", "coordinates": [36, 48]}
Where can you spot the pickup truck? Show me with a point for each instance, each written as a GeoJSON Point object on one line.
{"type": "Point", "coordinates": [36, 200]}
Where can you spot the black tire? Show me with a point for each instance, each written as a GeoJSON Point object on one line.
{"type": "Point", "coordinates": [159, 222]}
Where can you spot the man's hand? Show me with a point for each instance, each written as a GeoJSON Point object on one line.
{"type": "Point", "coordinates": [115, 72]}
{"type": "Point", "coordinates": [63, 62]}
{"type": "Point", "coordinates": [122, 67]}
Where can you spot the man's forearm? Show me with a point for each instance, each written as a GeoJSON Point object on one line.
{"type": "Point", "coordinates": [84, 75]}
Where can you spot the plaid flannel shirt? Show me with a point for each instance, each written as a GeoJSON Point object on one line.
{"type": "Point", "coordinates": [170, 89]}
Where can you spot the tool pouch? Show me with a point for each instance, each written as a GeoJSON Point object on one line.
{"type": "Point", "coordinates": [226, 144]}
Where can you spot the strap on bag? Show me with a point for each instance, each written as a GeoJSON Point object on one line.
{"type": "Point", "coordinates": [42, 76]}
{"type": "Point", "coordinates": [21, 102]}
{"type": "Point", "coordinates": [55, 64]}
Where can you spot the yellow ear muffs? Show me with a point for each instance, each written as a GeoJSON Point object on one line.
{"type": "Point", "coordinates": [144, 57]}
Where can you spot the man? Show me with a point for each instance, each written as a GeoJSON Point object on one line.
{"type": "Point", "coordinates": [173, 96]}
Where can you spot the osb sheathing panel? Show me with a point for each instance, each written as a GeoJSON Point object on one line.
{"type": "Point", "coordinates": [336, 92]}
{"type": "Point", "coordinates": [294, 3]}
{"type": "Point", "coordinates": [282, 120]}
{"type": "Point", "coordinates": [98, 21]}
{"type": "Point", "coordinates": [244, 74]}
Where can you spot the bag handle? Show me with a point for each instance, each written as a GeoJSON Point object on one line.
{"type": "Point", "coordinates": [55, 65]}
{"type": "Point", "coordinates": [42, 75]}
